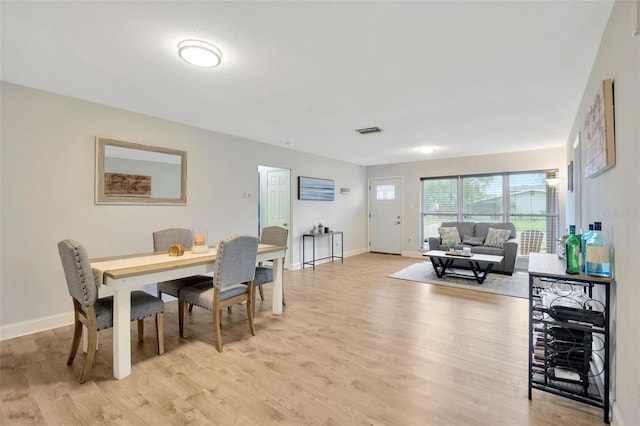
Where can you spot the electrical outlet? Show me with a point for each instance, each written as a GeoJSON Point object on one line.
{"type": "Point", "coordinates": [410, 239]}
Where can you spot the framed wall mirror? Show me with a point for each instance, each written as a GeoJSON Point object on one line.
{"type": "Point", "coordinates": [131, 173]}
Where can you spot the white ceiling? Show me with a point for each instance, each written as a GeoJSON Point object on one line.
{"type": "Point", "coordinates": [465, 77]}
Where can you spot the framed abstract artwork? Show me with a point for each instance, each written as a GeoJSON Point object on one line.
{"type": "Point", "coordinates": [318, 189]}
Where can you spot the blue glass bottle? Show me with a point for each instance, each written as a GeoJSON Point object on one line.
{"type": "Point", "coordinates": [598, 254]}
{"type": "Point", "coordinates": [583, 246]}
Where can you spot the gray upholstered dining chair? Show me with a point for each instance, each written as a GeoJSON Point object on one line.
{"type": "Point", "coordinates": [164, 239]}
{"type": "Point", "coordinates": [232, 283]}
{"type": "Point", "coordinates": [277, 236]}
{"type": "Point", "coordinates": [97, 313]}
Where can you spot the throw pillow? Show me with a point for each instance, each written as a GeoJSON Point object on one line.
{"type": "Point", "coordinates": [472, 241]}
{"type": "Point", "coordinates": [449, 234]}
{"type": "Point", "coordinates": [497, 237]}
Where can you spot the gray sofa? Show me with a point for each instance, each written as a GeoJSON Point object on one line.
{"type": "Point", "coordinates": [480, 229]}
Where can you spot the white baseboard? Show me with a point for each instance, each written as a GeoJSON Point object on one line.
{"type": "Point", "coordinates": [355, 252]}
{"type": "Point", "coordinates": [37, 325]}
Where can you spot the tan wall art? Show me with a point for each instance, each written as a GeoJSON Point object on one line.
{"type": "Point", "coordinates": [125, 184]}
{"type": "Point", "coordinates": [599, 138]}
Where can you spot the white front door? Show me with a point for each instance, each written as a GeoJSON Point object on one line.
{"type": "Point", "coordinates": [385, 215]}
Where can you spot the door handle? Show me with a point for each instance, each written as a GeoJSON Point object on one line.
{"type": "Point", "coordinates": [285, 224]}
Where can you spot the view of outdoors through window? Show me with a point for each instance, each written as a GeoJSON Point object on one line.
{"type": "Point", "coordinates": [522, 198]}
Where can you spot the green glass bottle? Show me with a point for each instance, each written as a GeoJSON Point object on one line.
{"type": "Point", "coordinates": [572, 246]}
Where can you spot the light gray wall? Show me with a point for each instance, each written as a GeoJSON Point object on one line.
{"type": "Point", "coordinates": [412, 172]}
{"type": "Point", "coordinates": [614, 196]}
{"type": "Point", "coordinates": [47, 177]}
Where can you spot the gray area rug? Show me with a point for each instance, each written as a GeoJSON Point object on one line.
{"type": "Point", "coordinates": [516, 285]}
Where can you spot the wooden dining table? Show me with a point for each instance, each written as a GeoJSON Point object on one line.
{"type": "Point", "coordinates": [125, 273]}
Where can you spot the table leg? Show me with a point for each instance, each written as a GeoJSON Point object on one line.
{"type": "Point", "coordinates": [303, 241]}
{"type": "Point", "coordinates": [478, 272]}
{"type": "Point", "coordinates": [277, 285]}
{"type": "Point", "coordinates": [332, 256]}
{"type": "Point", "coordinates": [440, 265]}
{"type": "Point", "coordinates": [122, 333]}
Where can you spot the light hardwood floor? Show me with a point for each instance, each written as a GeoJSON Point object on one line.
{"type": "Point", "coordinates": [352, 347]}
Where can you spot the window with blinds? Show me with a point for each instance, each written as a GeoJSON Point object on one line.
{"type": "Point", "coordinates": [439, 203]}
{"type": "Point", "coordinates": [522, 198]}
{"type": "Point", "coordinates": [482, 198]}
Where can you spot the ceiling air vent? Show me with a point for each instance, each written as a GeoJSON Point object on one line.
{"type": "Point", "coordinates": [369, 130]}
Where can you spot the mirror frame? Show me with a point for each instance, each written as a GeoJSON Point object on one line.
{"type": "Point", "coordinates": [101, 198]}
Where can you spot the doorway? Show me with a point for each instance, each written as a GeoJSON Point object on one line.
{"type": "Point", "coordinates": [385, 215]}
{"type": "Point", "coordinates": [274, 202]}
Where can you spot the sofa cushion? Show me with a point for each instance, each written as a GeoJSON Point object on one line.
{"type": "Point", "coordinates": [497, 237]}
{"type": "Point", "coordinates": [449, 233]}
{"type": "Point", "coordinates": [488, 250]}
{"type": "Point", "coordinates": [482, 228]}
{"type": "Point", "coordinates": [464, 228]}
{"type": "Point", "coordinates": [472, 241]}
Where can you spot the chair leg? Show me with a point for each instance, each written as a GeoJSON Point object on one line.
{"type": "Point", "coordinates": [261, 292]}
{"type": "Point", "coordinates": [250, 308]}
{"type": "Point", "coordinates": [253, 301]}
{"type": "Point", "coordinates": [182, 318]}
{"type": "Point", "coordinates": [190, 307]}
{"type": "Point", "coordinates": [140, 330]}
{"type": "Point", "coordinates": [216, 327]}
{"type": "Point", "coordinates": [77, 336]}
{"type": "Point", "coordinates": [91, 353]}
{"type": "Point", "coordinates": [160, 332]}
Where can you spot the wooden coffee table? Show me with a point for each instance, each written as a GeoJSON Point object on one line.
{"type": "Point", "coordinates": [442, 261]}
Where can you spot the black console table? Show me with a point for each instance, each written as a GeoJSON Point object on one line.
{"type": "Point", "coordinates": [569, 333]}
{"type": "Point", "coordinates": [330, 235]}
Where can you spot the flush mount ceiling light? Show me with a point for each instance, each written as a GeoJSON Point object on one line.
{"type": "Point", "coordinates": [426, 150]}
{"type": "Point", "coordinates": [199, 53]}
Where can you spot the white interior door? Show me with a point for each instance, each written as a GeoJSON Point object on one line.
{"type": "Point", "coordinates": [278, 198]}
{"type": "Point", "coordinates": [385, 215]}
{"type": "Point", "coordinates": [275, 201]}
